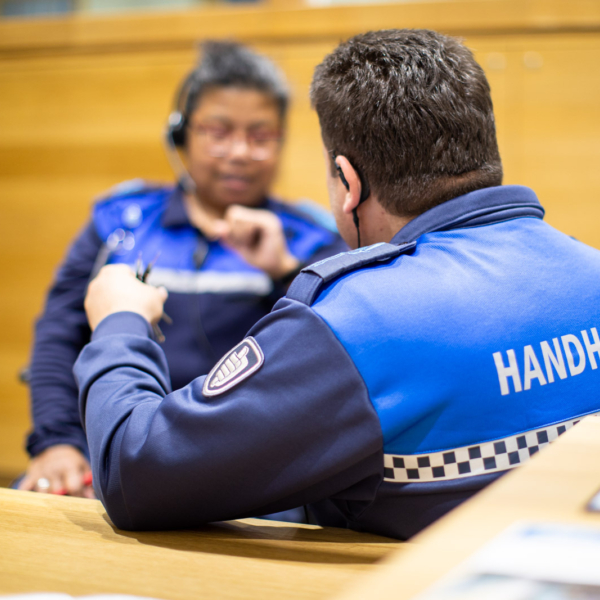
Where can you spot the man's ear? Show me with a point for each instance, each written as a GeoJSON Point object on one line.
{"type": "Point", "coordinates": [353, 187]}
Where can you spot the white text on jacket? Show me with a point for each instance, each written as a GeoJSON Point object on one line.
{"type": "Point", "coordinates": [552, 360]}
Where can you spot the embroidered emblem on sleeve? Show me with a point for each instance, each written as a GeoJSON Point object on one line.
{"type": "Point", "coordinates": [238, 364]}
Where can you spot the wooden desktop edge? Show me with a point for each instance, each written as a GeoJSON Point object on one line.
{"type": "Point", "coordinates": [271, 559]}
{"type": "Point", "coordinates": [555, 485]}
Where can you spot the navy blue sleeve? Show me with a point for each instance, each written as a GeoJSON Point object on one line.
{"type": "Point", "coordinates": [60, 334]}
{"type": "Point", "coordinates": [300, 429]}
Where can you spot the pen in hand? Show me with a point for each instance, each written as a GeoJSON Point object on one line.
{"type": "Point", "coordinates": [142, 274]}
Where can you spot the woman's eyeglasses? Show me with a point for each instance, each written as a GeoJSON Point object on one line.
{"type": "Point", "coordinates": [220, 140]}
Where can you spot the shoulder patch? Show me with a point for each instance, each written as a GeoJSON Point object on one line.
{"type": "Point", "coordinates": [125, 212]}
{"type": "Point", "coordinates": [307, 285]}
{"type": "Point", "coordinates": [238, 364]}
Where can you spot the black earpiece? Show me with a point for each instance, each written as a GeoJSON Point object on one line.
{"type": "Point", "coordinates": [178, 119]}
{"type": "Point", "coordinates": [176, 130]}
{"type": "Point", "coordinates": [365, 192]}
{"type": "Point", "coordinates": [342, 176]}
{"type": "Point", "coordinates": [176, 126]}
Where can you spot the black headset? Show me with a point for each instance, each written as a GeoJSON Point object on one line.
{"type": "Point", "coordinates": [176, 130]}
{"type": "Point", "coordinates": [177, 121]}
{"type": "Point", "coordinates": [365, 191]}
{"type": "Point", "coordinates": [176, 126]}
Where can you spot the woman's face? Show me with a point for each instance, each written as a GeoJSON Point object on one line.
{"type": "Point", "coordinates": [233, 146]}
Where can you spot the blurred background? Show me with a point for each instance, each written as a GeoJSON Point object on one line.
{"type": "Point", "coordinates": [86, 86]}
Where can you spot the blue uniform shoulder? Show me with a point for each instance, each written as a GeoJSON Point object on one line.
{"type": "Point", "coordinates": [307, 286]}
{"type": "Point", "coordinates": [127, 205]}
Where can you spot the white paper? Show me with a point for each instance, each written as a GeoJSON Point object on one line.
{"type": "Point", "coordinates": [529, 561]}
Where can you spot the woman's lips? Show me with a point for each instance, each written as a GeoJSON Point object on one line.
{"type": "Point", "coordinates": [236, 183]}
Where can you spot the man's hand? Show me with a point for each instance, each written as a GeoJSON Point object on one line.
{"type": "Point", "coordinates": [116, 289]}
{"type": "Point", "coordinates": [258, 236]}
{"type": "Point", "coordinates": [60, 469]}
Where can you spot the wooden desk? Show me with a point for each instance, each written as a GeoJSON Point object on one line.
{"type": "Point", "coordinates": [59, 544]}
{"type": "Point", "coordinates": [554, 486]}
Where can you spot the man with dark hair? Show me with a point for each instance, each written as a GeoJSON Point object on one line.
{"type": "Point", "coordinates": [422, 127]}
{"type": "Point", "coordinates": [393, 381]}
{"type": "Point", "coordinates": [223, 247]}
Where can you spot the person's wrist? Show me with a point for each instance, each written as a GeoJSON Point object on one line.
{"type": "Point", "coordinates": [124, 322]}
{"type": "Point", "coordinates": [289, 273]}
{"type": "Point", "coordinates": [287, 265]}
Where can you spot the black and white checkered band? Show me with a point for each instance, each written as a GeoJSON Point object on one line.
{"type": "Point", "coordinates": [469, 461]}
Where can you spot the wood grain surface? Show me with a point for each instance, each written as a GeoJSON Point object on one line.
{"type": "Point", "coordinates": [59, 544]}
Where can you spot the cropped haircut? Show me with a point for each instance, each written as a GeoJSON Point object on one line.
{"type": "Point", "coordinates": [411, 110]}
{"type": "Point", "coordinates": [229, 64]}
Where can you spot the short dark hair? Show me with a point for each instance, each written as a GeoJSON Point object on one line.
{"type": "Point", "coordinates": [412, 110]}
{"type": "Point", "coordinates": [229, 64]}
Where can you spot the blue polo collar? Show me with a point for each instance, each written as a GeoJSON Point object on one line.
{"type": "Point", "coordinates": [482, 207]}
{"type": "Point", "coordinates": [175, 215]}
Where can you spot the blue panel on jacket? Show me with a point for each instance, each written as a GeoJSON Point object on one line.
{"type": "Point", "coordinates": [423, 331]}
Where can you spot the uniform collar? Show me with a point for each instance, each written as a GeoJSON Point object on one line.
{"type": "Point", "coordinates": [482, 207]}
{"type": "Point", "coordinates": [175, 215]}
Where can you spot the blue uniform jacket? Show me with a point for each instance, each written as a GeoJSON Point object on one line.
{"type": "Point", "coordinates": [214, 296]}
{"type": "Point", "coordinates": [391, 383]}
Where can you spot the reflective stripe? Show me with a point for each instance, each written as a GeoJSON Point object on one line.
{"type": "Point", "coordinates": [469, 461]}
{"type": "Point", "coordinates": [211, 282]}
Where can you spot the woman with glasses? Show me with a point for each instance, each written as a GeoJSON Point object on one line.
{"type": "Point", "coordinates": [222, 246]}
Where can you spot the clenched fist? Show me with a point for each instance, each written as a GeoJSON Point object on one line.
{"type": "Point", "coordinates": [63, 470]}
{"type": "Point", "coordinates": [116, 289]}
{"type": "Point", "coordinates": [258, 236]}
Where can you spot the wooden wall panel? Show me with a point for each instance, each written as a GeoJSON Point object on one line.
{"type": "Point", "coordinates": [70, 127]}
{"type": "Point", "coordinates": [556, 116]}
{"type": "Point", "coordinates": [302, 173]}
{"type": "Point", "coordinates": [83, 104]}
